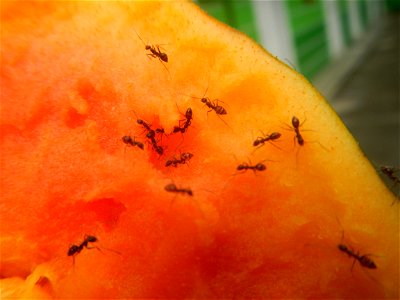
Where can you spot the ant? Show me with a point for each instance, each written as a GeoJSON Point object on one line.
{"type": "Point", "coordinates": [76, 249]}
{"type": "Point", "coordinates": [132, 142]}
{"type": "Point", "coordinates": [213, 105]}
{"type": "Point", "coordinates": [300, 140]}
{"type": "Point", "coordinates": [188, 120]}
{"type": "Point", "coordinates": [151, 135]}
{"type": "Point", "coordinates": [364, 260]}
{"type": "Point", "coordinates": [160, 131]}
{"type": "Point", "coordinates": [266, 138]}
{"type": "Point", "coordinates": [144, 124]}
{"type": "Point", "coordinates": [156, 147]}
{"type": "Point", "coordinates": [174, 189]}
{"type": "Point", "coordinates": [155, 52]}
{"type": "Point", "coordinates": [296, 125]}
{"type": "Point", "coordinates": [182, 160]}
{"type": "Point", "coordinates": [390, 173]}
{"type": "Point", "coordinates": [258, 167]}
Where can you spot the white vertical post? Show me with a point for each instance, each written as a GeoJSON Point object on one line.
{"type": "Point", "coordinates": [374, 10]}
{"type": "Point", "coordinates": [354, 19]}
{"type": "Point", "coordinates": [274, 29]}
{"type": "Point", "coordinates": [334, 33]}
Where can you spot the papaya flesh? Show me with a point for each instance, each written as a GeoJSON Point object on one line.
{"type": "Point", "coordinates": [234, 220]}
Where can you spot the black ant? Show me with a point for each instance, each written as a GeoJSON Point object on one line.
{"type": "Point", "coordinates": [174, 189]}
{"type": "Point", "coordinates": [390, 173]}
{"type": "Point", "coordinates": [144, 124]}
{"type": "Point", "coordinates": [184, 157]}
{"type": "Point", "coordinates": [296, 127]}
{"type": "Point", "coordinates": [266, 138]}
{"type": "Point", "coordinates": [258, 167]}
{"type": "Point", "coordinates": [364, 260]}
{"type": "Point", "coordinates": [76, 249]}
{"type": "Point", "coordinates": [151, 135]}
{"type": "Point", "coordinates": [187, 121]}
{"type": "Point", "coordinates": [155, 52]}
{"type": "Point", "coordinates": [132, 142]}
{"type": "Point", "coordinates": [156, 147]}
{"type": "Point", "coordinates": [213, 105]}
{"type": "Point", "coordinates": [160, 131]}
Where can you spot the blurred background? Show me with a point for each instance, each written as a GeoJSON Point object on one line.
{"type": "Point", "coordinates": [348, 49]}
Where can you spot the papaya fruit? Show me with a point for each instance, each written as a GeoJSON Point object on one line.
{"type": "Point", "coordinates": [149, 151]}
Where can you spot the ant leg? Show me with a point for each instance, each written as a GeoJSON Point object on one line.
{"type": "Point", "coordinates": [169, 74]}
{"type": "Point", "coordinates": [224, 121]}
{"type": "Point", "coordinates": [94, 247]}
{"type": "Point", "coordinates": [352, 266]}
{"type": "Point", "coordinates": [287, 127]}
{"type": "Point", "coordinates": [172, 202]}
{"type": "Point", "coordinates": [305, 119]}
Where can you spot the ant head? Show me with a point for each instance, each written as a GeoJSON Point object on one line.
{"type": "Point", "coordinates": [150, 134]}
{"type": "Point", "coordinates": [256, 143]}
{"type": "Point", "coordinates": [168, 163]}
{"type": "Point", "coordinates": [190, 193]}
{"type": "Point", "coordinates": [147, 47]}
{"type": "Point", "coordinates": [73, 250]}
{"type": "Point", "coordinates": [260, 167]}
{"type": "Point", "coordinates": [295, 122]}
{"type": "Point", "coordinates": [342, 247]}
{"type": "Point", "coordinates": [140, 121]}
{"type": "Point", "coordinates": [204, 100]}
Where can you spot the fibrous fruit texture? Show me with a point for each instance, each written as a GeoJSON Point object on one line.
{"type": "Point", "coordinates": [148, 151]}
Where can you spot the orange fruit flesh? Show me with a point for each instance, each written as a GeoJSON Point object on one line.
{"type": "Point", "coordinates": [75, 78]}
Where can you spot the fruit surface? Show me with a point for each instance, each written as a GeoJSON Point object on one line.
{"type": "Point", "coordinates": [75, 77]}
